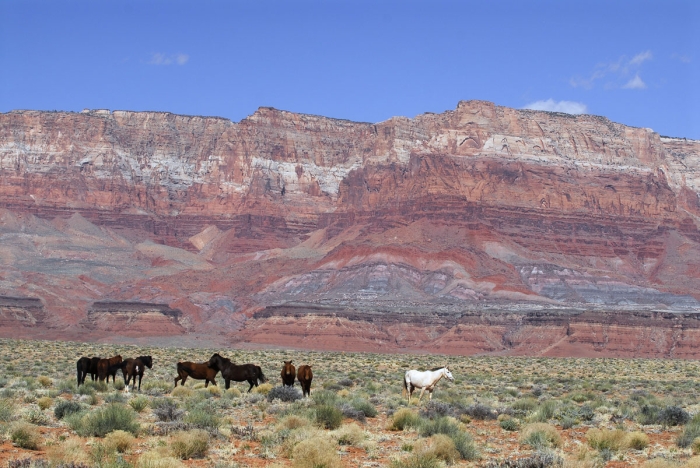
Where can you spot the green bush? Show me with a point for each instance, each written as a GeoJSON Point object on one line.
{"type": "Point", "coordinates": [139, 403]}
{"type": "Point", "coordinates": [25, 435]}
{"type": "Point", "coordinates": [190, 444]}
{"type": "Point", "coordinates": [325, 397]}
{"type": "Point", "coordinates": [445, 425]}
{"type": "Point", "coordinates": [418, 460]}
{"type": "Point", "coordinates": [66, 407]}
{"type": "Point", "coordinates": [110, 418]}
{"type": "Point", "coordinates": [509, 424]}
{"type": "Point", "coordinates": [203, 416]}
{"type": "Point", "coordinates": [690, 432]}
{"type": "Point", "coordinates": [404, 418]}
{"type": "Point", "coordinates": [329, 416]}
{"type": "Point", "coordinates": [365, 406]}
{"type": "Point", "coordinates": [7, 410]}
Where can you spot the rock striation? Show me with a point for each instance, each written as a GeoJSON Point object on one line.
{"type": "Point", "coordinates": [482, 211]}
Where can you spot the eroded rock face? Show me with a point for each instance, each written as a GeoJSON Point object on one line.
{"type": "Point", "coordinates": [462, 212]}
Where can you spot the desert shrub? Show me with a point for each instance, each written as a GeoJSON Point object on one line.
{"type": "Point", "coordinates": [365, 406]}
{"type": "Point", "coordinates": [139, 403]}
{"type": "Point", "coordinates": [448, 426]}
{"type": "Point", "coordinates": [119, 385]}
{"type": "Point", "coordinates": [119, 441]}
{"type": "Point", "coordinates": [673, 416]}
{"type": "Point", "coordinates": [165, 409]}
{"type": "Point", "coordinates": [540, 436]}
{"type": "Point", "coordinates": [232, 392]}
{"type": "Point", "coordinates": [636, 440]}
{"type": "Point", "coordinates": [509, 424]}
{"type": "Point", "coordinates": [436, 409]}
{"type": "Point", "coordinates": [524, 405]}
{"type": "Point", "coordinates": [695, 446]}
{"type": "Point", "coordinates": [214, 390]}
{"type": "Point", "coordinates": [44, 402]}
{"type": "Point", "coordinates": [324, 397]}
{"type": "Point", "coordinates": [7, 410]}
{"type": "Point", "coordinates": [36, 416]}
{"type": "Point", "coordinates": [352, 413]}
{"type": "Point", "coordinates": [690, 432]}
{"type": "Point", "coordinates": [329, 416]}
{"type": "Point", "coordinates": [262, 389]}
{"type": "Point", "coordinates": [350, 434]}
{"type": "Point", "coordinates": [345, 382]}
{"type": "Point", "coordinates": [102, 421]}
{"type": "Point", "coordinates": [25, 435]}
{"type": "Point", "coordinates": [537, 460]}
{"type": "Point", "coordinates": [403, 419]}
{"type": "Point", "coordinates": [545, 411]}
{"type": "Point", "coordinates": [181, 392]}
{"type": "Point", "coordinates": [66, 407]}
{"type": "Point", "coordinates": [190, 444]}
{"type": "Point", "coordinates": [156, 387]}
{"type": "Point", "coordinates": [203, 416]}
{"type": "Point", "coordinates": [115, 397]}
{"type": "Point", "coordinates": [418, 460]}
{"type": "Point", "coordinates": [44, 381]}
{"type": "Point", "coordinates": [156, 459]}
{"type": "Point", "coordinates": [315, 452]}
{"type": "Point", "coordinates": [283, 393]}
{"type": "Point", "coordinates": [66, 386]}
{"type": "Point", "coordinates": [293, 421]}
{"type": "Point", "coordinates": [606, 439]}
{"type": "Point", "coordinates": [440, 445]}
{"type": "Point", "coordinates": [480, 411]}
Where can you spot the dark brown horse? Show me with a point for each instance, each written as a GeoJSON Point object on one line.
{"type": "Point", "coordinates": [305, 377]}
{"type": "Point", "coordinates": [288, 373]}
{"type": "Point", "coordinates": [133, 367]}
{"type": "Point", "coordinates": [107, 367]}
{"type": "Point", "coordinates": [85, 366]}
{"type": "Point", "coordinates": [230, 371]}
{"type": "Point", "coordinates": [196, 370]}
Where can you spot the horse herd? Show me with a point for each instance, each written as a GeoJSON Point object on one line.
{"type": "Point", "coordinates": [101, 369]}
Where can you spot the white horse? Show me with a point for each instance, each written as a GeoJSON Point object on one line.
{"type": "Point", "coordinates": [424, 380]}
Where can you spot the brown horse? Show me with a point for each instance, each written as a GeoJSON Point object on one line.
{"type": "Point", "coordinates": [305, 377]}
{"type": "Point", "coordinates": [288, 373]}
{"type": "Point", "coordinates": [135, 367]}
{"type": "Point", "coordinates": [196, 370]}
{"type": "Point", "coordinates": [107, 367]}
{"type": "Point", "coordinates": [85, 366]}
{"type": "Point", "coordinates": [230, 371]}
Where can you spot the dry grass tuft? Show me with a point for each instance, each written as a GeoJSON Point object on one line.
{"type": "Point", "coordinates": [540, 435]}
{"type": "Point", "coordinates": [607, 439]}
{"type": "Point", "coordinates": [262, 389]}
{"type": "Point", "coordinates": [316, 452]}
{"type": "Point", "coordinates": [158, 459]}
{"type": "Point", "coordinates": [121, 441]}
{"type": "Point", "coordinates": [190, 444]}
{"type": "Point", "coordinates": [440, 446]}
{"type": "Point", "coordinates": [181, 392]}
{"type": "Point", "coordinates": [25, 435]}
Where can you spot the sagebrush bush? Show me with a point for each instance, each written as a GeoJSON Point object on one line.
{"type": "Point", "coordinates": [315, 452]}
{"type": "Point", "coordinates": [403, 419]}
{"type": "Point", "coordinates": [7, 410]}
{"type": "Point", "coordinates": [65, 408]}
{"type": "Point", "coordinates": [418, 460]}
{"type": "Point", "coordinates": [690, 432]}
{"type": "Point", "coordinates": [119, 441]}
{"type": "Point", "coordinates": [606, 439]}
{"type": "Point", "coordinates": [350, 434]}
{"type": "Point", "coordinates": [329, 416]}
{"type": "Point", "coordinates": [102, 421]}
{"type": "Point", "coordinates": [360, 404]}
{"type": "Point", "coordinates": [44, 381]}
{"type": "Point", "coordinates": [284, 393]}
{"type": "Point", "coordinates": [166, 409]}
{"type": "Point", "coordinates": [44, 402]}
{"type": "Point", "coordinates": [190, 444]}
{"type": "Point", "coordinates": [441, 446]}
{"type": "Point", "coordinates": [203, 417]}
{"type": "Point", "coordinates": [25, 435]}
{"type": "Point", "coordinates": [139, 403]}
{"type": "Point", "coordinates": [540, 436]}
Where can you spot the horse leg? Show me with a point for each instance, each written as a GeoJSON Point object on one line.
{"type": "Point", "coordinates": [251, 382]}
{"type": "Point", "coordinates": [228, 383]}
{"type": "Point", "coordinates": [140, 376]}
{"type": "Point", "coordinates": [421, 394]}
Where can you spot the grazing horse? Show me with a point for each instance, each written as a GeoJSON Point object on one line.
{"type": "Point", "coordinates": [135, 367]}
{"type": "Point", "coordinates": [424, 380]}
{"type": "Point", "coordinates": [107, 367]}
{"type": "Point", "coordinates": [196, 370]}
{"type": "Point", "coordinates": [230, 371]}
{"type": "Point", "coordinates": [85, 366]}
{"type": "Point", "coordinates": [288, 373]}
{"type": "Point", "coordinates": [305, 377]}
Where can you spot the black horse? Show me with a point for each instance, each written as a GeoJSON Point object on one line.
{"type": "Point", "coordinates": [230, 371]}
{"type": "Point", "coordinates": [134, 367]}
{"type": "Point", "coordinates": [85, 366]}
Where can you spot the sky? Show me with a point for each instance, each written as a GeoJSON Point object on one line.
{"type": "Point", "coordinates": [634, 62]}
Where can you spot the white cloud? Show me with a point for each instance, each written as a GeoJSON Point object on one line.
{"type": "Point", "coordinates": [681, 57]}
{"type": "Point", "coordinates": [641, 58]}
{"type": "Point", "coordinates": [616, 74]}
{"type": "Point", "coordinates": [568, 107]}
{"type": "Point", "coordinates": [635, 83]}
{"type": "Point", "coordinates": [162, 59]}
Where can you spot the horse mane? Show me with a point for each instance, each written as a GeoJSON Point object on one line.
{"type": "Point", "coordinates": [436, 368]}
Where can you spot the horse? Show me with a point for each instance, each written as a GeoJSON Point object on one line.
{"type": "Point", "coordinates": [135, 367]}
{"type": "Point", "coordinates": [230, 371]}
{"type": "Point", "coordinates": [424, 380]}
{"type": "Point", "coordinates": [196, 370]}
{"type": "Point", "coordinates": [107, 367]}
{"type": "Point", "coordinates": [305, 377]}
{"type": "Point", "coordinates": [85, 366]}
{"type": "Point", "coordinates": [288, 373]}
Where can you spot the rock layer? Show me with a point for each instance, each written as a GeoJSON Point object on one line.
{"type": "Point", "coordinates": [478, 210]}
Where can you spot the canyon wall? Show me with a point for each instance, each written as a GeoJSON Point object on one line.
{"type": "Point", "coordinates": [483, 211]}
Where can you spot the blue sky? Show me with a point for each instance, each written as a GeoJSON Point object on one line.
{"type": "Point", "coordinates": [635, 62]}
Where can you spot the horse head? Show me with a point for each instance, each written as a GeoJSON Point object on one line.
{"type": "Point", "coordinates": [147, 361]}
{"type": "Point", "coordinates": [446, 372]}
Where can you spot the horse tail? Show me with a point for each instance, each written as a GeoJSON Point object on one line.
{"type": "Point", "coordinates": [405, 386]}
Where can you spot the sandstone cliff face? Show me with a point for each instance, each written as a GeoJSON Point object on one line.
{"type": "Point", "coordinates": [480, 205]}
